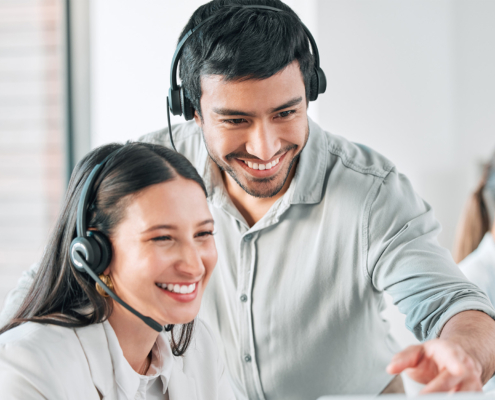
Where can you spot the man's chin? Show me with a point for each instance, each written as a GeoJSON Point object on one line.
{"type": "Point", "coordinates": [260, 187]}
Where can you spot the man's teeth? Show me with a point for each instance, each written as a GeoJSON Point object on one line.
{"type": "Point", "coordinates": [182, 289]}
{"type": "Point", "coordinates": [261, 167]}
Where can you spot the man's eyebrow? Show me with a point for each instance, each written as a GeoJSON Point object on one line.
{"type": "Point", "coordinates": [229, 111]}
{"type": "Point", "coordinates": [290, 103]}
{"type": "Point", "coordinates": [163, 226]}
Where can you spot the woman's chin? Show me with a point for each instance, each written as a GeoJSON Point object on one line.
{"type": "Point", "coordinates": [181, 319]}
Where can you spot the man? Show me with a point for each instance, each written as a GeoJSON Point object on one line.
{"type": "Point", "coordinates": [311, 229]}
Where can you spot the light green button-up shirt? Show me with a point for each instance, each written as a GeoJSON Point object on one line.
{"type": "Point", "coordinates": [296, 299]}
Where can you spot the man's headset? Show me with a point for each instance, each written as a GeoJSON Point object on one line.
{"type": "Point", "coordinates": [90, 251]}
{"type": "Point", "coordinates": [179, 104]}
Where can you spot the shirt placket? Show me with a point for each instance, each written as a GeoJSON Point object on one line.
{"type": "Point", "coordinates": [247, 263]}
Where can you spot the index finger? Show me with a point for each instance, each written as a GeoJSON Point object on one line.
{"type": "Point", "coordinates": [407, 358]}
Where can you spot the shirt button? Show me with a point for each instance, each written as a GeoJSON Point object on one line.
{"type": "Point", "coordinates": [243, 298]}
{"type": "Point", "coordinates": [248, 237]}
{"type": "Point", "coordinates": [247, 358]}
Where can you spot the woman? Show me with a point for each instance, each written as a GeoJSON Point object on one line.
{"type": "Point", "coordinates": [475, 245]}
{"type": "Point", "coordinates": [69, 340]}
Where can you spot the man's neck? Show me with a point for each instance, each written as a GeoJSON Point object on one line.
{"type": "Point", "coordinates": [253, 208]}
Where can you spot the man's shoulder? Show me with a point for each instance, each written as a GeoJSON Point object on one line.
{"type": "Point", "coordinates": [188, 140]}
{"type": "Point", "coordinates": [357, 157]}
{"type": "Point", "coordinates": [183, 132]}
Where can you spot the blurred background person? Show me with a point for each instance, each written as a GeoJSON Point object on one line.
{"type": "Point", "coordinates": [474, 248]}
{"type": "Point", "coordinates": [475, 244]}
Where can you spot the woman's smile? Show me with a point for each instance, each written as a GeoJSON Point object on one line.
{"type": "Point", "coordinates": [181, 292]}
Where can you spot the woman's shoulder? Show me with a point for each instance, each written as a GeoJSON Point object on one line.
{"type": "Point", "coordinates": [37, 336]}
{"type": "Point", "coordinates": [42, 358]}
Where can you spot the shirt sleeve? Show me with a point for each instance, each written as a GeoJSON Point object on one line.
{"type": "Point", "coordinates": [16, 296]}
{"type": "Point", "coordinates": [405, 259]}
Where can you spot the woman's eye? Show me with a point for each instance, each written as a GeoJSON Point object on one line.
{"type": "Point", "coordinates": [160, 238]}
{"type": "Point", "coordinates": [205, 234]}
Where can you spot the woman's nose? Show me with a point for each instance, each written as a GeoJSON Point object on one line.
{"type": "Point", "coordinates": [190, 262]}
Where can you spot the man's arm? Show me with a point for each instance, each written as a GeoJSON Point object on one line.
{"type": "Point", "coordinates": [462, 359]}
{"type": "Point", "coordinates": [443, 308]}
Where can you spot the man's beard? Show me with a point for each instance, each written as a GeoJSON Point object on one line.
{"type": "Point", "coordinates": [265, 191]}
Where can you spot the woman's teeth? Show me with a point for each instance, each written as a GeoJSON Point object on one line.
{"type": "Point", "coordinates": [261, 167]}
{"type": "Point", "coordinates": [182, 289]}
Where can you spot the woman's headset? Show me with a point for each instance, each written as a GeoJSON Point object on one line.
{"type": "Point", "coordinates": [91, 251]}
{"type": "Point", "coordinates": [179, 104]}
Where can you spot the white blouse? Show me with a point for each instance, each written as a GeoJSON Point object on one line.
{"type": "Point", "coordinates": [43, 361]}
{"type": "Point", "coordinates": [479, 266]}
{"type": "Point", "coordinates": [130, 384]}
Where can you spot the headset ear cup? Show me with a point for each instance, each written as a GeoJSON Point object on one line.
{"type": "Point", "coordinates": [322, 80]}
{"type": "Point", "coordinates": [318, 84]}
{"type": "Point", "coordinates": [105, 250]}
{"type": "Point", "coordinates": [90, 250]}
{"type": "Point", "coordinates": [313, 87]}
{"type": "Point", "coordinates": [187, 108]}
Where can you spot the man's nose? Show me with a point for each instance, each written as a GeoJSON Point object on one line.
{"type": "Point", "coordinates": [263, 141]}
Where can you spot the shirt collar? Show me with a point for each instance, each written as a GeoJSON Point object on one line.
{"type": "Point", "coordinates": [306, 186]}
{"type": "Point", "coordinates": [162, 362]}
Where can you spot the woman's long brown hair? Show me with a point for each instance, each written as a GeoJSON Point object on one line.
{"type": "Point", "coordinates": [59, 294]}
{"type": "Point", "coordinates": [475, 220]}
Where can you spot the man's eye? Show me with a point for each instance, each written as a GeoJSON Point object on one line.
{"type": "Point", "coordinates": [284, 114]}
{"type": "Point", "coordinates": [235, 121]}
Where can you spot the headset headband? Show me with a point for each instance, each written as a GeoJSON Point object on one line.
{"type": "Point", "coordinates": [180, 46]}
{"type": "Point", "coordinates": [82, 207]}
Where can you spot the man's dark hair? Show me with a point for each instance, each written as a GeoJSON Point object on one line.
{"type": "Point", "coordinates": [243, 43]}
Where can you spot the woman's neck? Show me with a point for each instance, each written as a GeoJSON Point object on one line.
{"type": "Point", "coordinates": [136, 339]}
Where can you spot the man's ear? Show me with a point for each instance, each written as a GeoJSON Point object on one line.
{"type": "Point", "coordinates": [198, 119]}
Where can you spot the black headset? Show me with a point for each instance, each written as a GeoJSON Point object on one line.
{"type": "Point", "coordinates": [91, 251]}
{"type": "Point", "coordinates": [179, 104]}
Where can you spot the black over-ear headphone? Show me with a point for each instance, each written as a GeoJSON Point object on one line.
{"type": "Point", "coordinates": [90, 251]}
{"type": "Point", "coordinates": [179, 104]}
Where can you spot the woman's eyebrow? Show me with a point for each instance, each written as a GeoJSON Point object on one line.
{"type": "Point", "coordinates": [161, 226]}
{"type": "Point", "coordinates": [164, 226]}
{"type": "Point", "coordinates": [207, 221]}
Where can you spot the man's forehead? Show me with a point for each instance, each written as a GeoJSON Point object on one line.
{"type": "Point", "coordinates": [284, 89]}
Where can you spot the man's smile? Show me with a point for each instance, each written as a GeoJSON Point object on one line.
{"type": "Point", "coordinates": [260, 169]}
